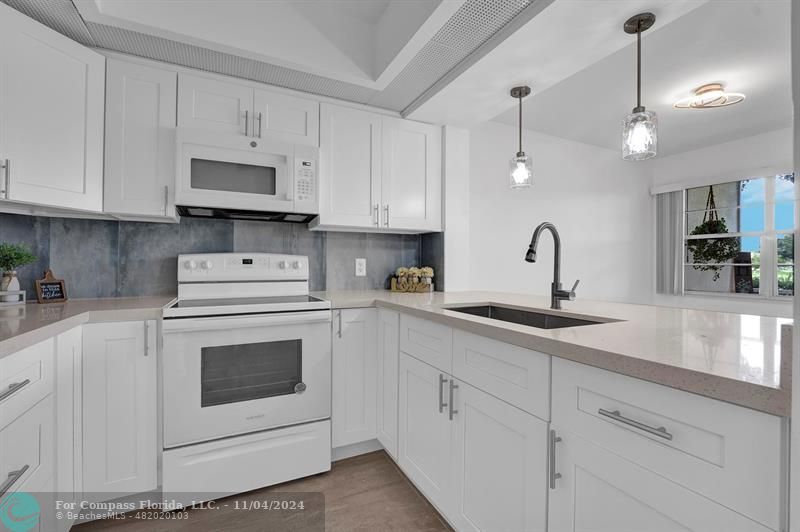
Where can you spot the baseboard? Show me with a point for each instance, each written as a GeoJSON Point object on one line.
{"type": "Point", "coordinates": [355, 449]}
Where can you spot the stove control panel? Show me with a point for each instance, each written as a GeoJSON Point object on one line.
{"type": "Point", "coordinates": [217, 267]}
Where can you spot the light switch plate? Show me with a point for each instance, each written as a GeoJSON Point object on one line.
{"type": "Point", "coordinates": [361, 267]}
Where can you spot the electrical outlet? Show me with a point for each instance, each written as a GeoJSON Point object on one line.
{"type": "Point", "coordinates": [361, 267]}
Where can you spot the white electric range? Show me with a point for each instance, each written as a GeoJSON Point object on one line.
{"type": "Point", "coordinates": [246, 374]}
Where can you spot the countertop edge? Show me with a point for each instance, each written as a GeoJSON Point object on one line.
{"type": "Point", "coordinates": [774, 401]}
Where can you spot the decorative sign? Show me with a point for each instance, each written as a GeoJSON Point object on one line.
{"type": "Point", "coordinates": [50, 289]}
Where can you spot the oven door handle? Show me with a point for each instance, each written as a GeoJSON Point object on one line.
{"type": "Point", "coordinates": [242, 322]}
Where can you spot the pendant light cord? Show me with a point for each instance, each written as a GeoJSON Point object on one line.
{"type": "Point", "coordinates": [639, 65]}
{"type": "Point", "coordinates": [520, 126]}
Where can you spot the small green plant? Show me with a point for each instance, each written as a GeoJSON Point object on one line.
{"type": "Point", "coordinates": [13, 256]}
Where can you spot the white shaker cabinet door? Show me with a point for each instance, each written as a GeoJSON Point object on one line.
{"type": "Point", "coordinates": [411, 184]}
{"type": "Point", "coordinates": [499, 465]}
{"type": "Point", "coordinates": [354, 372]}
{"type": "Point", "coordinates": [599, 491]}
{"type": "Point", "coordinates": [140, 140]}
{"type": "Point", "coordinates": [350, 185]}
{"type": "Point", "coordinates": [388, 376]}
{"type": "Point", "coordinates": [425, 431]}
{"type": "Point", "coordinates": [287, 118]}
{"type": "Point", "coordinates": [220, 106]}
{"type": "Point", "coordinates": [52, 91]}
{"type": "Point", "coordinates": [120, 416]}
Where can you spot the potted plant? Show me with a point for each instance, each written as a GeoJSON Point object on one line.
{"type": "Point", "coordinates": [12, 256]}
{"type": "Point", "coordinates": [710, 253]}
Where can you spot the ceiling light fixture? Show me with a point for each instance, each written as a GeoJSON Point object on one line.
{"type": "Point", "coordinates": [640, 128]}
{"type": "Point", "coordinates": [521, 167]}
{"type": "Point", "coordinates": [709, 96]}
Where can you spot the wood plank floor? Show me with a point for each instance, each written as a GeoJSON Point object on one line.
{"type": "Point", "coordinates": [363, 493]}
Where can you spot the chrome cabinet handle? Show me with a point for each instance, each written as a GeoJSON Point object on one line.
{"type": "Point", "coordinates": [442, 404]}
{"type": "Point", "coordinates": [386, 215]}
{"type": "Point", "coordinates": [340, 324]}
{"type": "Point", "coordinates": [259, 124]}
{"type": "Point", "coordinates": [11, 479]}
{"type": "Point", "coordinates": [553, 474]}
{"type": "Point", "coordinates": [246, 123]}
{"type": "Point", "coordinates": [14, 388]}
{"type": "Point", "coordinates": [375, 217]}
{"type": "Point", "coordinates": [166, 199]}
{"type": "Point", "coordinates": [146, 338]}
{"type": "Point", "coordinates": [453, 386]}
{"type": "Point", "coordinates": [661, 432]}
{"type": "Point", "coordinates": [6, 177]}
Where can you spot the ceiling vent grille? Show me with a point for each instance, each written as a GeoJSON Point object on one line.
{"type": "Point", "coordinates": [473, 24]}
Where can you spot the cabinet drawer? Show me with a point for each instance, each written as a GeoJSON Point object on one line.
{"type": "Point", "coordinates": [727, 453]}
{"type": "Point", "coordinates": [26, 447]}
{"type": "Point", "coordinates": [25, 378]}
{"type": "Point", "coordinates": [430, 342]}
{"type": "Point", "coordinates": [518, 376]}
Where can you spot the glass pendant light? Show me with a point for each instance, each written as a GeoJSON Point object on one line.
{"type": "Point", "coordinates": [520, 167]}
{"type": "Point", "coordinates": [640, 128]}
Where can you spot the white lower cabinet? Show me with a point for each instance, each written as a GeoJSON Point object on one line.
{"type": "Point", "coordinates": [388, 375]}
{"type": "Point", "coordinates": [599, 491]}
{"type": "Point", "coordinates": [354, 376]}
{"type": "Point", "coordinates": [499, 465]}
{"type": "Point", "coordinates": [120, 416]}
{"type": "Point", "coordinates": [69, 348]}
{"type": "Point", "coordinates": [425, 432]}
{"type": "Point", "coordinates": [479, 460]}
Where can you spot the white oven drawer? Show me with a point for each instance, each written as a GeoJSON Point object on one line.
{"type": "Point", "coordinates": [234, 465]}
{"type": "Point", "coordinates": [236, 375]}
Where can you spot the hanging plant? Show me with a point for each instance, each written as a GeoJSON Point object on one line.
{"type": "Point", "coordinates": [711, 253]}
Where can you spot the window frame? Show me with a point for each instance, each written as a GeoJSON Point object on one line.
{"type": "Point", "coordinates": [768, 243]}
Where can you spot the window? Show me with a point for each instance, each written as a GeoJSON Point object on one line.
{"type": "Point", "coordinates": [738, 237]}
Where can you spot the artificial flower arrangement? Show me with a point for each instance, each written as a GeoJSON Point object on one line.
{"type": "Point", "coordinates": [413, 279]}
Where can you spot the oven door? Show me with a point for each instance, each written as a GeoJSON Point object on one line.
{"type": "Point", "coordinates": [231, 172]}
{"type": "Point", "coordinates": [237, 374]}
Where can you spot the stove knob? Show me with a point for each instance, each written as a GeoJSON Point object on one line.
{"type": "Point", "coordinates": [283, 265]}
{"type": "Point", "coordinates": [206, 264]}
{"type": "Point", "coordinates": [297, 265]}
{"type": "Point", "coordinates": [190, 265]}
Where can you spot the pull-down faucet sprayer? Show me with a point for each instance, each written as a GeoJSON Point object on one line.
{"type": "Point", "coordinates": [556, 293]}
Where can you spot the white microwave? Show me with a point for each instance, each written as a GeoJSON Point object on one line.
{"type": "Point", "coordinates": [245, 174]}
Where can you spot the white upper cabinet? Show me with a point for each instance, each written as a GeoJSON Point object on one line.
{"type": "Point", "coordinates": [284, 117]}
{"type": "Point", "coordinates": [51, 117]}
{"type": "Point", "coordinates": [411, 184]}
{"type": "Point", "coordinates": [236, 109]}
{"type": "Point", "coordinates": [350, 185]}
{"type": "Point", "coordinates": [378, 173]}
{"type": "Point", "coordinates": [216, 105]}
{"type": "Point", "coordinates": [140, 141]}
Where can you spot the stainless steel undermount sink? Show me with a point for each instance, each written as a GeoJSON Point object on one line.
{"type": "Point", "coordinates": [531, 318]}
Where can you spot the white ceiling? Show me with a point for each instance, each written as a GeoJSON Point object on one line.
{"type": "Point", "coordinates": [348, 40]}
{"type": "Point", "coordinates": [744, 44]}
{"type": "Point", "coordinates": [566, 37]}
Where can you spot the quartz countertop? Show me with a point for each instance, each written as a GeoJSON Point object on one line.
{"type": "Point", "coordinates": [737, 358]}
{"type": "Point", "coordinates": [23, 326]}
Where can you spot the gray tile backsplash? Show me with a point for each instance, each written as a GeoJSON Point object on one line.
{"type": "Point", "coordinates": [100, 258]}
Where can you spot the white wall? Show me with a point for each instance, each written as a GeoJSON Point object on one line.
{"type": "Point", "coordinates": [456, 170]}
{"type": "Point", "coordinates": [765, 154]}
{"type": "Point", "coordinates": [600, 204]}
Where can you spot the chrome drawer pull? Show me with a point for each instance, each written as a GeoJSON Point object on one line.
{"type": "Point", "coordinates": [14, 388]}
{"type": "Point", "coordinates": [553, 474]}
{"type": "Point", "coordinates": [12, 478]}
{"type": "Point", "coordinates": [442, 404]}
{"type": "Point", "coordinates": [661, 432]}
{"type": "Point", "coordinates": [453, 411]}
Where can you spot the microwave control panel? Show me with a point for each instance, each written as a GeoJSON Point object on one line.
{"type": "Point", "coordinates": [305, 185]}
